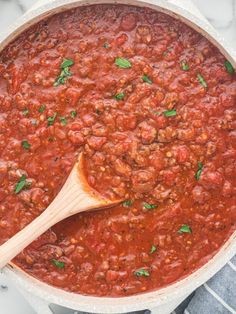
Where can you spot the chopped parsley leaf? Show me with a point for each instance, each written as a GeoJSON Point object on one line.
{"type": "Point", "coordinates": [142, 273]}
{"type": "Point", "coordinates": [25, 144]}
{"type": "Point", "coordinates": [184, 229]}
{"type": "Point", "coordinates": [42, 108]}
{"type": "Point", "coordinates": [201, 80]}
{"type": "Point", "coordinates": [119, 96]}
{"type": "Point", "coordinates": [149, 206]}
{"type": "Point", "coordinates": [63, 121]}
{"type": "Point", "coordinates": [51, 119]}
{"type": "Point", "coordinates": [60, 80]}
{"type": "Point", "coordinates": [123, 63]}
{"type": "Point", "coordinates": [229, 67]}
{"type": "Point", "coordinates": [170, 113]}
{"type": "Point", "coordinates": [127, 203]}
{"type": "Point", "coordinates": [65, 72]}
{"type": "Point", "coordinates": [157, 113]}
{"type": "Point", "coordinates": [22, 183]}
{"type": "Point", "coordinates": [106, 45]}
{"type": "Point", "coordinates": [25, 112]}
{"type": "Point", "coordinates": [199, 170]}
{"type": "Point", "coordinates": [146, 79]}
{"type": "Point", "coordinates": [66, 63]}
{"type": "Point", "coordinates": [73, 114]}
{"type": "Point", "coordinates": [58, 263]}
{"type": "Point", "coordinates": [152, 249]}
{"type": "Point", "coordinates": [184, 65]}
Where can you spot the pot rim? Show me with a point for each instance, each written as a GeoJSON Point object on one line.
{"type": "Point", "coordinates": [177, 289]}
{"type": "Point", "coordinates": [143, 301]}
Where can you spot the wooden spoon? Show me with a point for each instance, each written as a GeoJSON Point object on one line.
{"type": "Point", "coordinates": [75, 197]}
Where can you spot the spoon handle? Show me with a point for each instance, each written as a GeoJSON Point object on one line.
{"type": "Point", "coordinates": [23, 238]}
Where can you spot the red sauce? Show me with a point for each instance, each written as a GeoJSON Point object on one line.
{"type": "Point", "coordinates": [158, 129]}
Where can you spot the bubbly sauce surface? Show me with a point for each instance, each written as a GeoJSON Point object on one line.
{"type": "Point", "coordinates": [151, 103]}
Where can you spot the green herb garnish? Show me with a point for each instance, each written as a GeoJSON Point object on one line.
{"type": "Point", "coordinates": [25, 112]}
{"type": "Point", "coordinates": [127, 203]}
{"type": "Point", "coordinates": [66, 63]}
{"type": "Point", "coordinates": [106, 45]}
{"type": "Point", "coordinates": [152, 249]}
{"type": "Point", "coordinates": [58, 263]}
{"type": "Point", "coordinates": [119, 96]}
{"type": "Point", "coordinates": [65, 72]}
{"type": "Point", "coordinates": [229, 67]}
{"type": "Point", "coordinates": [142, 273]}
{"type": "Point", "coordinates": [184, 65]}
{"type": "Point", "coordinates": [63, 121]}
{"type": "Point", "coordinates": [184, 229]}
{"type": "Point", "coordinates": [170, 113]}
{"type": "Point", "coordinates": [146, 79]}
{"type": "Point", "coordinates": [25, 144]}
{"type": "Point", "coordinates": [199, 171]}
{"type": "Point", "coordinates": [123, 63]}
{"type": "Point", "coordinates": [51, 119]}
{"type": "Point", "coordinates": [22, 183]}
{"type": "Point", "coordinates": [157, 113]}
{"type": "Point", "coordinates": [73, 114]}
{"type": "Point", "coordinates": [149, 206]}
{"type": "Point", "coordinates": [42, 108]}
{"type": "Point", "coordinates": [202, 81]}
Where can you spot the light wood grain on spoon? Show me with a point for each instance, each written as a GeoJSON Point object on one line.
{"type": "Point", "coordinates": [74, 197]}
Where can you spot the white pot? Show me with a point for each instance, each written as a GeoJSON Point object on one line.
{"type": "Point", "coordinates": [160, 301]}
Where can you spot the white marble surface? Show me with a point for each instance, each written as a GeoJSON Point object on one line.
{"type": "Point", "coordinates": [222, 15]}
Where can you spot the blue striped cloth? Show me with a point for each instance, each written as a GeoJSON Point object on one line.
{"type": "Point", "coordinates": [216, 296]}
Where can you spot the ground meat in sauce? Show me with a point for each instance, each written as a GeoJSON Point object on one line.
{"type": "Point", "coordinates": [159, 133]}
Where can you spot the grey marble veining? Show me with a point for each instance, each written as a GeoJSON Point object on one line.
{"type": "Point", "coordinates": [222, 15]}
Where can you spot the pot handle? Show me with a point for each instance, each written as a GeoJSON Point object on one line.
{"type": "Point", "coordinates": [168, 308]}
{"type": "Point", "coordinates": [45, 308]}
{"type": "Point", "coordinates": [39, 305]}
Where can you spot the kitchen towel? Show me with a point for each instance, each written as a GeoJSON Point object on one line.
{"type": "Point", "coordinates": [216, 296]}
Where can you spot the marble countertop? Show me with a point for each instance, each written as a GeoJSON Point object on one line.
{"type": "Point", "coordinates": [220, 13]}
